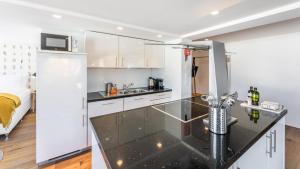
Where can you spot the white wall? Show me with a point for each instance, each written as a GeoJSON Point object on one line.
{"type": "Point", "coordinates": [171, 72]}
{"type": "Point", "coordinates": [177, 72]}
{"type": "Point", "coordinates": [268, 57]}
{"type": "Point", "coordinates": [97, 78]}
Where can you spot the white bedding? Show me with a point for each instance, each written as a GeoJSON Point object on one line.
{"type": "Point", "coordinates": [25, 97]}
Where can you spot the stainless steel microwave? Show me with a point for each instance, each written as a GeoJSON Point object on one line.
{"type": "Point", "coordinates": [56, 42]}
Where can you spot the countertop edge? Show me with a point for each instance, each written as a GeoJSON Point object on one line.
{"type": "Point", "coordinates": [125, 96]}
{"type": "Point", "coordinates": [226, 165]}
{"type": "Point", "coordinates": [254, 140]}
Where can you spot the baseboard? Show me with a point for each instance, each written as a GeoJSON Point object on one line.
{"type": "Point", "coordinates": [63, 157]}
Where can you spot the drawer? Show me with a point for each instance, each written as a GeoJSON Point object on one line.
{"type": "Point", "coordinates": [161, 98]}
{"type": "Point", "coordinates": [105, 107]}
{"type": "Point", "coordinates": [136, 102]}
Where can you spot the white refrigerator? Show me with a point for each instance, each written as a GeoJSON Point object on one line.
{"type": "Point", "coordinates": [61, 113]}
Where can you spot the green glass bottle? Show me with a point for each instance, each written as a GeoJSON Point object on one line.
{"type": "Point", "coordinates": [253, 97]}
{"type": "Point", "coordinates": [256, 97]}
{"type": "Point", "coordinates": [255, 115]}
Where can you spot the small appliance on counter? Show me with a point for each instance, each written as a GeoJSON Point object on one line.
{"type": "Point", "coordinates": [160, 84]}
{"type": "Point", "coordinates": [156, 84]}
{"type": "Point", "coordinates": [56, 42]}
{"type": "Point", "coordinates": [151, 83]}
{"type": "Point", "coordinates": [108, 87]}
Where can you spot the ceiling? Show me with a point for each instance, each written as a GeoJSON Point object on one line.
{"type": "Point", "coordinates": [181, 18]}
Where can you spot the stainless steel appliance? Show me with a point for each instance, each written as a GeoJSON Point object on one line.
{"type": "Point", "coordinates": [150, 83]}
{"type": "Point", "coordinates": [56, 42]}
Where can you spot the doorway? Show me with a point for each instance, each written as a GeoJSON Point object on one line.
{"type": "Point", "coordinates": [200, 72]}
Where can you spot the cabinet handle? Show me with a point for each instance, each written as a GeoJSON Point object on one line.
{"type": "Point", "coordinates": [105, 104]}
{"type": "Point", "coordinates": [83, 120]}
{"type": "Point", "coordinates": [139, 99]}
{"type": "Point", "coordinates": [116, 61]}
{"type": "Point", "coordinates": [274, 133]}
{"type": "Point", "coordinates": [82, 104]}
{"type": "Point", "coordinates": [270, 145]}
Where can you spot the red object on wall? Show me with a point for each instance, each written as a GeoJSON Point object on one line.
{"type": "Point", "coordinates": [186, 52]}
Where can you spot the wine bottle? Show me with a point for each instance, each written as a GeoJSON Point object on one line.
{"type": "Point", "coordinates": [253, 98]}
{"type": "Point", "coordinates": [257, 97]}
{"type": "Point", "coordinates": [250, 92]}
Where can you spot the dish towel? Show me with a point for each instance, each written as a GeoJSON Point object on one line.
{"type": "Point", "coordinates": [8, 104]}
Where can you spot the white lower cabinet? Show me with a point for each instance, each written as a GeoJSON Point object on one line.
{"type": "Point", "coordinates": [267, 153]}
{"type": "Point", "coordinates": [159, 98]}
{"type": "Point", "coordinates": [136, 102]}
{"type": "Point", "coordinates": [102, 108]}
{"type": "Point", "coordinates": [97, 158]}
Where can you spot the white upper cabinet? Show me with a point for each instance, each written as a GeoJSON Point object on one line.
{"type": "Point", "coordinates": [113, 51]}
{"type": "Point", "coordinates": [155, 55]}
{"type": "Point", "coordinates": [131, 53]}
{"type": "Point", "coordinates": [102, 50]}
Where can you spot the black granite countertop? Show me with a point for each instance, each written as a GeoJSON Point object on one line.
{"type": "Point", "coordinates": [96, 96]}
{"type": "Point", "coordinates": [147, 138]}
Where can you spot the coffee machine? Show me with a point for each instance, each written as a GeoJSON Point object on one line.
{"type": "Point", "coordinates": [156, 84]}
{"type": "Point", "coordinates": [159, 84]}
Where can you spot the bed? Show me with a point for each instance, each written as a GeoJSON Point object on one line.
{"type": "Point", "coordinates": [17, 85]}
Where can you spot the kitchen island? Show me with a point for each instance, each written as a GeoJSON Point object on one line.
{"type": "Point", "coordinates": [173, 136]}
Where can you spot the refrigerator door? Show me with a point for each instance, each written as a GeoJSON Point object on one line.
{"type": "Point", "coordinates": [61, 104]}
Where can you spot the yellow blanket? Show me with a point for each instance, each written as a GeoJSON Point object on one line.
{"type": "Point", "coordinates": [8, 104]}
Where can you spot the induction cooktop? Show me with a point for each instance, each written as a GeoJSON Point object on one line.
{"type": "Point", "coordinates": [183, 110]}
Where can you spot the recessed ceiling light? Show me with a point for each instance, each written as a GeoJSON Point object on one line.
{"type": "Point", "coordinates": [120, 28]}
{"type": "Point", "coordinates": [159, 145]}
{"type": "Point", "coordinates": [120, 163]}
{"type": "Point", "coordinates": [159, 36]}
{"type": "Point", "coordinates": [206, 39]}
{"type": "Point", "coordinates": [214, 13]}
{"type": "Point", "coordinates": [56, 16]}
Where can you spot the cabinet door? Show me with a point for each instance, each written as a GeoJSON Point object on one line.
{"type": "Point", "coordinates": [255, 157]}
{"type": "Point", "coordinates": [131, 53]}
{"type": "Point", "coordinates": [131, 125]}
{"type": "Point", "coordinates": [277, 161]}
{"type": "Point", "coordinates": [102, 49]}
{"type": "Point", "coordinates": [154, 55]}
{"type": "Point", "coordinates": [97, 157]}
{"type": "Point", "coordinates": [102, 108]}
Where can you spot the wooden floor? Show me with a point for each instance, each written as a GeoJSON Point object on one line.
{"type": "Point", "coordinates": [19, 150]}
{"type": "Point", "coordinates": [292, 156]}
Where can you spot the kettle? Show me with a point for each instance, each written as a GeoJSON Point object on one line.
{"type": "Point", "coordinates": [150, 83]}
